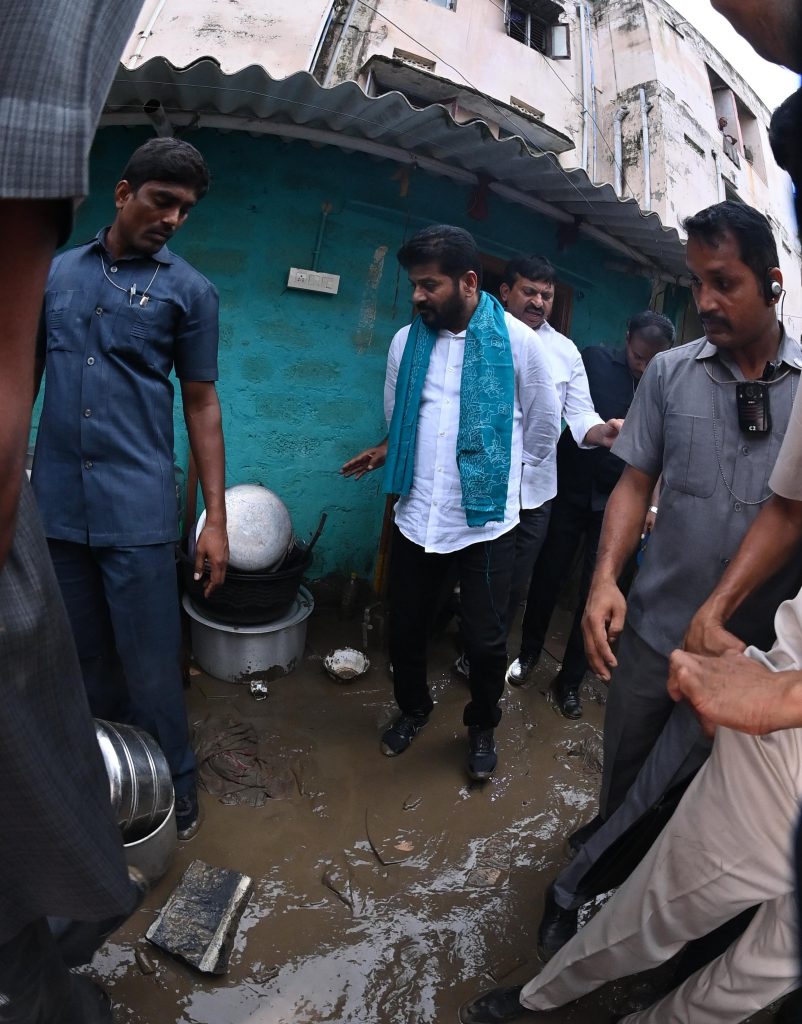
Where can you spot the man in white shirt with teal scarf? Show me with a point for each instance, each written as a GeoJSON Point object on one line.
{"type": "Point", "coordinates": [469, 399]}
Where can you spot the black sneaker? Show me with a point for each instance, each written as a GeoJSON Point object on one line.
{"type": "Point", "coordinates": [187, 815]}
{"type": "Point", "coordinates": [482, 758]}
{"type": "Point", "coordinates": [520, 670]}
{"type": "Point", "coordinates": [402, 732]}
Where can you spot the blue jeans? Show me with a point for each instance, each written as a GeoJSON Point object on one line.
{"type": "Point", "coordinates": [124, 611]}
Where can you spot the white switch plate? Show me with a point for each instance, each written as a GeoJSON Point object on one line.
{"type": "Point", "coordinates": [313, 281]}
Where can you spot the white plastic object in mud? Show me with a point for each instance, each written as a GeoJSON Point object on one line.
{"type": "Point", "coordinates": [346, 664]}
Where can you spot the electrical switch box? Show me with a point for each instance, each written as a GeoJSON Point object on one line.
{"type": "Point", "coordinates": [313, 281]}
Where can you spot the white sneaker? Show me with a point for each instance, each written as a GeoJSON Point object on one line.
{"type": "Point", "coordinates": [520, 670]}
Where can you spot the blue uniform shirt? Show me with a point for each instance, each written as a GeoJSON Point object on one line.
{"type": "Point", "coordinates": [103, 470]}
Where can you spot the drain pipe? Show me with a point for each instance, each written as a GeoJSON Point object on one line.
{"type": "Point", "coordinates": [145, 34]}
{"type": "Point", "coordinates": [338, 49]}
{"type": "Point", "coordinates": [618, 149]}
{"type": "Point", "coordinates": [647, 166]}
{"type": "Point", "coordinates": [585, 86]}
{"type": "Point", "coordinates": [593, 119]}
{"type": "Point", "coordinates": [159, 119]}
{"type": "Point", "coordinates": [722, 195]}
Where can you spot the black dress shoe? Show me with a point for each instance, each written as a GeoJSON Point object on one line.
{"type": "Point", "coordinates": [494, 1007]}
{"type": "Point", "coordinates": [567, 699]}
{"type": "Point", "coordinates": [557, 926]}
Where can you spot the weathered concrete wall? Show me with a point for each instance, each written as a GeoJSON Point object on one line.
{"type": "Point", "coordinates": [683, 126]}
{"type": "Point", "coordinates": [301, 374]}
{"type": "Point", "coordinates": [281, 35]}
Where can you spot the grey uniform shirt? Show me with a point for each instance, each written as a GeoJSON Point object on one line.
{"type": "Point", "coordinates": [683, 422]}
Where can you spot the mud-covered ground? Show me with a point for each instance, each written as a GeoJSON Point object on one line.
{"type": "Point", "coordinates": [386, 890]}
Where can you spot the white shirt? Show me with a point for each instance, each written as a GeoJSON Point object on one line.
{"type": "Point", "coordinates": [431, 515]}
{"type": "Point", "coordinates": [539, 483]}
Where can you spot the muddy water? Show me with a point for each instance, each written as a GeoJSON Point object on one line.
{"type": "Point", "coordinates": [387, 890]}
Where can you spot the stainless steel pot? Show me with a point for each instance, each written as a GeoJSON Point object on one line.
{"type": "Point", "coordinates": [238, 652]}
{"type": "Point", "coordinates": [153, 854]}
{"type": "Point", "coordinates": [140, 783]}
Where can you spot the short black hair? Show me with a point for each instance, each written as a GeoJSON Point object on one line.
{"type": "Point", "coordinates": [533, 268]}
{"type": "Point", "coordinates": [454, 249]}
{"type": "Point", "coordinates": [167, 159]}
{"type": "Point", "coordinates": [654, 328]}
{"type": "Point", "coordinates": [784, 136]}
{"type": "Point", "coordinates": [751, 229]}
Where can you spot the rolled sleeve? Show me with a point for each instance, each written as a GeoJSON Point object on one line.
{"type": "Point", "coordinates": [578, 409]}
{"type": "Point", "coordinates": [197, 338]}
{"type": "Point", "coordinates": [786, 477]}
{"type": "Point", "coordinates": [640, 443]}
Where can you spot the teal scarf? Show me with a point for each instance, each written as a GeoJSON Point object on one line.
{"type": "Point", "coordinates": [487, 396]}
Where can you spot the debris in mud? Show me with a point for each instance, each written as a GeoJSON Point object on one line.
{"type": "Point", "coordinates": [492, 864]}
{"type": "Point", "coordinates": [394, 847]}
{"type": "Point", "coordinates": [259, 690]}
{"type": "Point", "coordinates": [340, 884]}
{"type": "Point", "coordinates": [412, 802]}
{"type": "Point", "coordinates": [237, 765]}
{"type": "Point", "coordinates": [143, 961]}
{"type": "Point", "coordinates": [586, 753]}
{"type": "Point", "coordinates": [597, 694]}
{"type": "Point", "coordinates": [199, 921]}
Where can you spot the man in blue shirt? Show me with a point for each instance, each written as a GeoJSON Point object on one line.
{"type": "Point", "coordinates": [121, 312]}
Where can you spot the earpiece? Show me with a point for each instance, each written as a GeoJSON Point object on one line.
{"type": "Point", "coordinates": [776, 289]}
{"type": "Point", "coordinates": [772, 288]}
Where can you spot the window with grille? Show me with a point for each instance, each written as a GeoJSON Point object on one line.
{"type": "Point", "coordinates": [450, 5]}
{"type": "Point", "coordinates": [550, 38]}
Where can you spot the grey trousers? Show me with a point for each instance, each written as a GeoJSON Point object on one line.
{"type": "Point", "coordinates": [650, 745]}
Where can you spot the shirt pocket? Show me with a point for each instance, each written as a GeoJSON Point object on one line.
{"type": "Point", "coordinates": [65, 333]}
{"type": "Point", "coordinates": [691, 459]}
{"type": "Point", "coordinates": [141, 331]}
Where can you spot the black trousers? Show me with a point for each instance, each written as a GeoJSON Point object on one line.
{"type": "Point", "coordinates": [484, 571]}
{"type": "Point", "coordinates": [567, 526]}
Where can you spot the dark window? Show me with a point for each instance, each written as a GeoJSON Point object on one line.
{"type": "Point", "coordinates": [551, 38]}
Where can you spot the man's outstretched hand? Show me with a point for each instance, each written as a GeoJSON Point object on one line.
{"type": "Point", "coordinates": [365, 462]}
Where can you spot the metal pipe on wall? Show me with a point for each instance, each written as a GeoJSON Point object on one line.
{"type": "Point", "coordinates": [593, 120]}
{"type": "Point", "coordinates": [146, 32]}
{"type": "Point", "coordinates": [338, 49]}
{"type": "Point", "coordinates": [585, 86]}
{"type": "Point", "coordinates": [618, 148]}
{"type": "Point", "coordinates": [647, 165]}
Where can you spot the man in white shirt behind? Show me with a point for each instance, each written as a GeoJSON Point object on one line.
{"type": "Point", "coordinates": [470, 404]}
{"type": "Point", "coordinates": [527, 292]}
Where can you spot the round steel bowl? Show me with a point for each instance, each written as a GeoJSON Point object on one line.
{"type": "Point", "coordinates": [140, 783]}
{"type": "Point", "coordinates": [259, 527]}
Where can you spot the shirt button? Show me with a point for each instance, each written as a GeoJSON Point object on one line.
{"type": "Point", "coordinates": [442, 433]}
{"type": "Point", "coordinates": [87, 413]}
{"type": "Point", "coordinates": [439, 469]}
{"type": "Point", "coordinates": [90, 361]}
{"type": "Point", "coordinates": [98, 311]}
{"type": "Point", "coordinates": [88, 464]}
{"type": "Point", "coordinates": [113, 270]}
{"type": "Point", "coordinates": [725, 561]}
{"type": "Point", "coordinates": [745, 450]}
{"type": "Point", "coordinates": [737, 506]}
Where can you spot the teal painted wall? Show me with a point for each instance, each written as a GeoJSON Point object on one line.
{"type": "Point", "coordinates": [301, 374]}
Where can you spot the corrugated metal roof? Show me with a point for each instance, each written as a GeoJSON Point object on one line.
{"type": "Point", "coordinates": [389, 126]}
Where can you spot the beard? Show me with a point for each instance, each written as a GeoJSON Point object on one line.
{"type": "Point", "coordinates": [449, 314]}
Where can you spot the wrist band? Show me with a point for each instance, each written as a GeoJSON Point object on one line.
{"type": "Point", "coordinates": [653, 509]}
